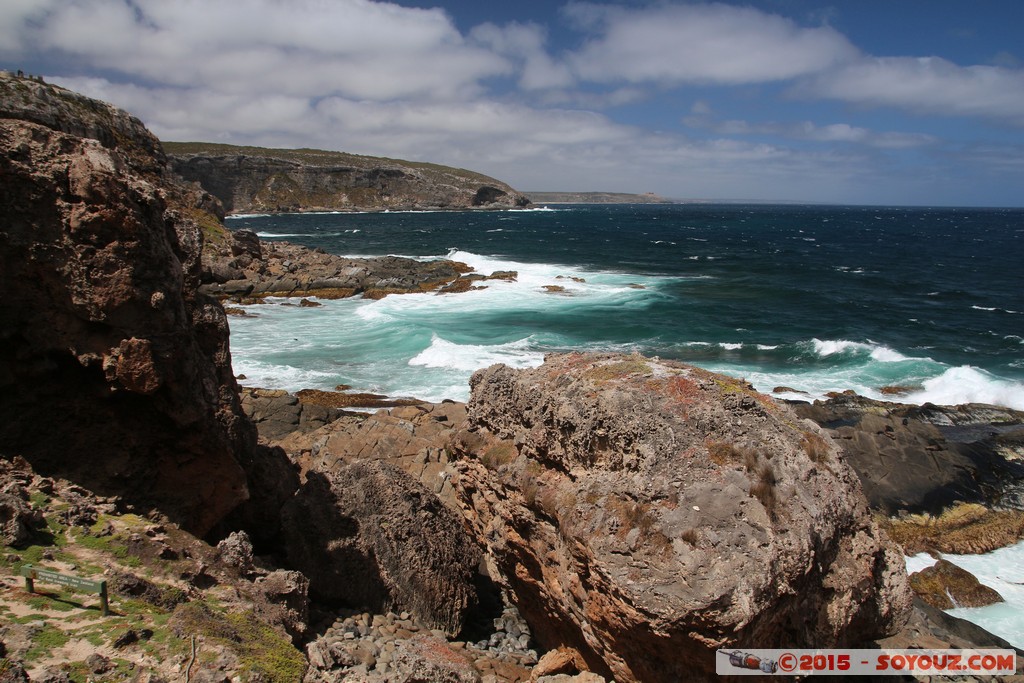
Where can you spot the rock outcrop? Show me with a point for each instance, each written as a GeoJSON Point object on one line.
{"type": "Point", "coordinates": [368, 535]}
{"type": "Point", "coordinates": [114, 370]}
{"type": "Point", "coordinates": [927, 458]}
{"type": "Point", "coordinates": [238, 265]}
{"type": "Point", "coordinates": [254, 179]}
{"type": "Point", "coordinates": [945, 585]}
{"type": "Point", "coordinates": [646, 513]}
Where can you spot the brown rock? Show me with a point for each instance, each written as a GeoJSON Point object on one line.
{"type": "Point", "coordinates": [109, 352]}
{"type": "Point", "coordinates": [284, 600]}
{"type": "Point", "coordinates": [945, 585]}
{"type": "Point", "coordinates": [563, 660]}
{"type": "Point", "coordinates": [18, 519]}
{"type": "Point", "coordinates": [625, 531]}
{"type": "Point", "coordinates": [368, 535]}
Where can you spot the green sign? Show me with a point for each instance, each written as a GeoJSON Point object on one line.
{"type": "Point", "coordinates": [33, 574]}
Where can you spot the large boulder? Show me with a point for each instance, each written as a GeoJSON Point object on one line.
{"type": "Point", "coordinates": [370, 536]}
{"type": "Point", "coordinates": [647, 513]}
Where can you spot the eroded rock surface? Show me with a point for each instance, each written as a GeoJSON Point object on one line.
{"type": "Point", "coordinates": [926, 458]}
{"type": "Point", "coordinates": [368, 535]}
{"type": "Point", "coordinates": [646, 513]}
{"type": "Point", "coordinates": [114, 370]}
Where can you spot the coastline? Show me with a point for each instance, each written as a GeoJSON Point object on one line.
{"type": "Point", "coordinates": [588, 517]}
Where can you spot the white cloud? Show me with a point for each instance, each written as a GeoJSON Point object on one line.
{"type": "Point", "coordinates": [525, 43]}
{"type": "Point", "coordinates": [702, 116]}
{"type": "Point", "coordinates": [927, 85]}
{"type": "Point", "coordinates": [354, 48]}
{"type": "Point", "coordinates": [720, 44]}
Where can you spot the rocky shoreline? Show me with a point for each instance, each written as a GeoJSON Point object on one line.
{"type": "Point", "coordinates": [601, 517]}
{"type": "Point", "coordinates": [238, 266]}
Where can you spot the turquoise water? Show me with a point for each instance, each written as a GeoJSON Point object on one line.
{"type": "Point", "coordinates": [817, 299]}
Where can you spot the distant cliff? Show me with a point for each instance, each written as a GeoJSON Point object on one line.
{"type": "Point", "coordinates": [255, 179]}
{"type": "Point", "coordinates": [597, 198]}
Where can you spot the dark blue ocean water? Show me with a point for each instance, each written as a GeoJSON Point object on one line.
{"type": "Point", "coordinates": [815, 298]}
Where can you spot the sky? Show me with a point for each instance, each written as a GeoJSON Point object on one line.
{"type": "Point", "coordinates": [887, 102]}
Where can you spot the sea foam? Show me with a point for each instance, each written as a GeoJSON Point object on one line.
{"type": "Point", "coordinates": [1001, 570]}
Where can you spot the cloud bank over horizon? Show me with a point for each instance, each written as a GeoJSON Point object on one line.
{"type": "Point", "coordinates": [684, 99]}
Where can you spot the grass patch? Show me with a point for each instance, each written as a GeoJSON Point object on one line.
{"type": "Point", "coordinates": [815, 447]}
{"type": "Point", "coordinates": [498, 455]}
{"type": "Point", "coordinates": [635, 365]}
{"type": "Point", "coordinates": [966, 528]}
{"type": "Point", "coordinates": [264, 653]}
{"type": "Point", "coordinates": [45, 641]}
{"type": "Point", "coordinates": [764, 489]}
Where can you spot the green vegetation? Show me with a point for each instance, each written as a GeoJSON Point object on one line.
{"type": "Point", "coordinates": [264, 653]}
{"type": "Point", "coordinates": [498, 455]}
{"type": "Point", "coordinates": [635, 365]}
{"type": "Point", "coordinates": [320, 157]}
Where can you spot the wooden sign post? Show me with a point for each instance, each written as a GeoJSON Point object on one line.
{"type": "Point", "coordinates": [33, 574]}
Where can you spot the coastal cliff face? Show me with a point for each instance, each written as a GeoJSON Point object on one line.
{"type": "Point", "coordinates": [114, 371]}
{"type": "Point", "coordinates": [251, 179]}
{"type": "Point", "coordinates": [646, 513]}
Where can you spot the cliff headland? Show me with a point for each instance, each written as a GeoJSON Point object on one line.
{"type": "Point", "coordinates": [258, 180]}
{"type": "Point", "coordinates": [601, 516]}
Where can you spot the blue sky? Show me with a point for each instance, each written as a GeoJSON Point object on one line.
{"type": "Point", "coordinates": [906, 102]}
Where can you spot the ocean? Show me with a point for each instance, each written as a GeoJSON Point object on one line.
{"type": "Point", "coordinates": [811, 298]}
{"type": "Point", "coordinates": [814, 299]}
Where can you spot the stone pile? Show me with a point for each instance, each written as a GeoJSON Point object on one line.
{"type": "Point", "coordinates": [381, 647]}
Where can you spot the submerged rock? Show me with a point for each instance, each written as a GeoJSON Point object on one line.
{"type": "Point", "coordinates": [646, 513]}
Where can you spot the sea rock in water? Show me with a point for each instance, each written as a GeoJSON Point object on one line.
{"type": "Point", "coordinates": [945, 585]}
{"type": "Point", "coordinates": [368, 535]}
{"type": "Point", "coordinates": [646, 513]}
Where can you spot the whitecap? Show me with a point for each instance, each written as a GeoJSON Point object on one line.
{"type": "Point", "coordinates": [878, 352]}
{"type": "Point", "coordinates": [969, 384]}
{"type": "Point", "coordinates": [471, 357]}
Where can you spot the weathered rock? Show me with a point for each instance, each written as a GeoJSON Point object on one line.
{"type": "Point", "coordinates": [12, 672]}
{"type": "Point", "coordinates": [429, 658]}
{"type": "Point", "coordinates": [277, 413]}
{"type": "Point", "coordinates": [283, 269]}
{"type": "Point", "coordinates": [562, 660]}
{"type": "Point", "coordinates": [18, 519]}
{"type": "Point", "coordinates": [932, 629]}
{"type": "Point", "coordinates": [945, 585]}
{"type": "Point", "coordinates": [413, 438]}
{"type": "Point", "coordinates": [648, 513]}
{"type": "Point", "coordinates": [285, 601]}
{"type": "Point", "coordinates": [117, 369]}
{"type": "Point", "coordinates": [368, 535]}
{"type": "Point", "coordinates": [236, 551]}
{"type": "Point", "coordinates": [927, 458]}
{"type": "Point", "coordinates": [248, 179]}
